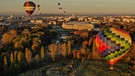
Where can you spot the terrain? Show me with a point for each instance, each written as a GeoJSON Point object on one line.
{"type": "Point", "coordinates": [78, 68]}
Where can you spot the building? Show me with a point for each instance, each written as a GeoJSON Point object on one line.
{"type": "Point", "coordinates": [36, 21]}
{"type": "Point", "coordinates": [77, 25]}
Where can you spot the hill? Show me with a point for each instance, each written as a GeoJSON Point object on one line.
{"type": "Point", "coordinates": [86, 68]}
{"type": "Point", "coordinates": [102, 68]}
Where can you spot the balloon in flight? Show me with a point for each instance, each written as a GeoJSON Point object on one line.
{"type": "Point", "coordinates": [113, 44]}
{"type": "Point", "coordinates": [38, 7]}
{"type": "Point", "coordinates": [29, 7]}
{"type": "Point", "coordinates": [58, 3]}
{"type": "Point", "coordinates": [60, 7]}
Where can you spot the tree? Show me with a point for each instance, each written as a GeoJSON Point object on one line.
{"type": "Point", "coordinates": [84, 35]}
{"type": "Point", "coordinates": [15, 55]}
{"type": "Point", "coordinates": [63, 50]}
{"type": "Point", "coordinates": [8, 37]}
{"type": "Point", "coordinates": [36, 57]}
{"type": "Point", "coordinates": [36, 43]}
{"type": "Point", "coordinates": [19, 56]}
{"type": "Point", "coordinates": [5, 60]}
{"type": "Point", "coordinates": [11, 57]}
{"type": "Point", "coordinates": [28, 55]}
{"type": "Point", "coordinates": [18, 42]}
{"type": "Point", "coordinates": [42, 52]}
{"type": "Point", "coordinates": [69, 47]}
{"type": "Point", "coordinates": [53, 50]}
{"type": "Point", "coordinates": [96, 54]}
{"type": "Point", "coordinates": [84, 44]}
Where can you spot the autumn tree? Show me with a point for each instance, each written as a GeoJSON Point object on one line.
{"type": "Point", "coordinates": [28, 55]}
{"type": "Point", "coordinates": [84, 44]}
{"type": "Point", "coordinates": [18, 43]}
{"type": "Point", "coordinates": [84, 35]}
{"type": "Point", "coordinates": [53, 50]}
{"type": "Point", "coordinates": [11, 57]}
{"type": "Point", "coordinates": [5, 60]}
{"type": "Point", "coordinates": [96, 54]}
{"type": "Point", "coordinates": [63, 50]}
{"type": "Point", "coordinates": [15, 55]}
{"type": "Point", "coordinates": [36, 43]}
{"type": "Point", "coordinates": [19, 56]}
{"type": "Point", "coordinates": [36, 58]}
{"type": "Point", "coordinates": [8, 37]}
{"type": "Point", "coordinates": [69, 47]}
{"type": "Point", "coordinates": [42, 52]}
{"type": "Point", "coordinates": [79, 55]}
{"type": "Point", "coordinates": [83, 53]}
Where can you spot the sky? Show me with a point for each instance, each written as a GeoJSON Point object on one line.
{"type": "Point", "coordinates": [86, 7]}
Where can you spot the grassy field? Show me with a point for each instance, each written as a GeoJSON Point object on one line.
{"type": "Point", "coordinates": [101, 68]}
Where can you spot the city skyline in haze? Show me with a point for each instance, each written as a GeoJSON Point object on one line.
{"type": "Point", "coordinates": [79, 7]}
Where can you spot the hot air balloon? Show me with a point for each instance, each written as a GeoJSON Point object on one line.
{"type": "Point", "coordinates": [29, 7]}
{"type": "Point", "coordinates": [38, 7]}
{"type": "Point", "coordinates": [60, 7]}
{"type": "Point", "coordinates": [64, 11]}
{"type": "Point", "coordinates": [113, 44]}
{"type": "Point", "coordinates": [58, 3]}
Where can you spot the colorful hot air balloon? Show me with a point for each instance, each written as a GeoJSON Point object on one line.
{"type": "Point", "coordinates": [113, 44]}
{"type": "Point", "coordinates": [29, 7]}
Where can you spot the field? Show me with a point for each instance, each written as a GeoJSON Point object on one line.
{"type": "Point", "coordinates": [102, 68]}
{"type": "Point", "coordinates": [86, 68]}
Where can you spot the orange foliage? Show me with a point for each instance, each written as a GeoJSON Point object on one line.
{"type": "Point", "coordinates": [8, 37]}
{"type": "Point", "coordinates": [28, 55]}
{"type": "Point", "coordinates": [84, 43]}
{"type": "Point", "coordinates": [84, 34]}
{"type": "Point", "coordinates": [5, 60]}
{"type": "Point", "coordinates": [36, 57]}
{"type": "Point", "coordinates": [11, 57]}
{"type": "Point", "coordinates": [19, 56]}
{"type": "Point", "coordinates": [42, 52]}
{"type": "Point", "coordinates": [75, 53]}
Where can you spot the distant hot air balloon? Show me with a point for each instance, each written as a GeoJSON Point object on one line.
{"type": "Point", "coordinates": [113, 44]}
{"type": "Point", "coordinates": [58, 3]}
{"type": "Point", "coordinates": [60, 7]}
{"type": "Point", "coordinates": [38, 7]}
{"type": "Point", "coordinates": [29, 7]}
{"type": "Point", "coordinates": [64, 11]}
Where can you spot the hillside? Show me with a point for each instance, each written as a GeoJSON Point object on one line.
{"type": "Point", "coordinates": [86, 68]}
{"type": "Point", "coordinates": [101, 68]}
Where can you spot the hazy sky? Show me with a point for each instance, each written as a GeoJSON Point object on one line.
{"type": "Point", "coordinates": [92, 7]}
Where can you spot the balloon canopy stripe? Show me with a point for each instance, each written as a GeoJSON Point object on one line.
{"type": "Point", "coordinates": [29, 3]}
{"type": "Point", "coordinates": [29, 8]}
{"type": "Point", "coordinates": [112, 43]}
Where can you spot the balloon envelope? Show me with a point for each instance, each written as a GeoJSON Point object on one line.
{"type": "Point", "coordinates": [113, 44]}
{"type": "Point", "coordinates": [29, 7]}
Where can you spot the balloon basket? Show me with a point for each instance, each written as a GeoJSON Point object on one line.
{"type": "Point", "coordinates": [111, 68]}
